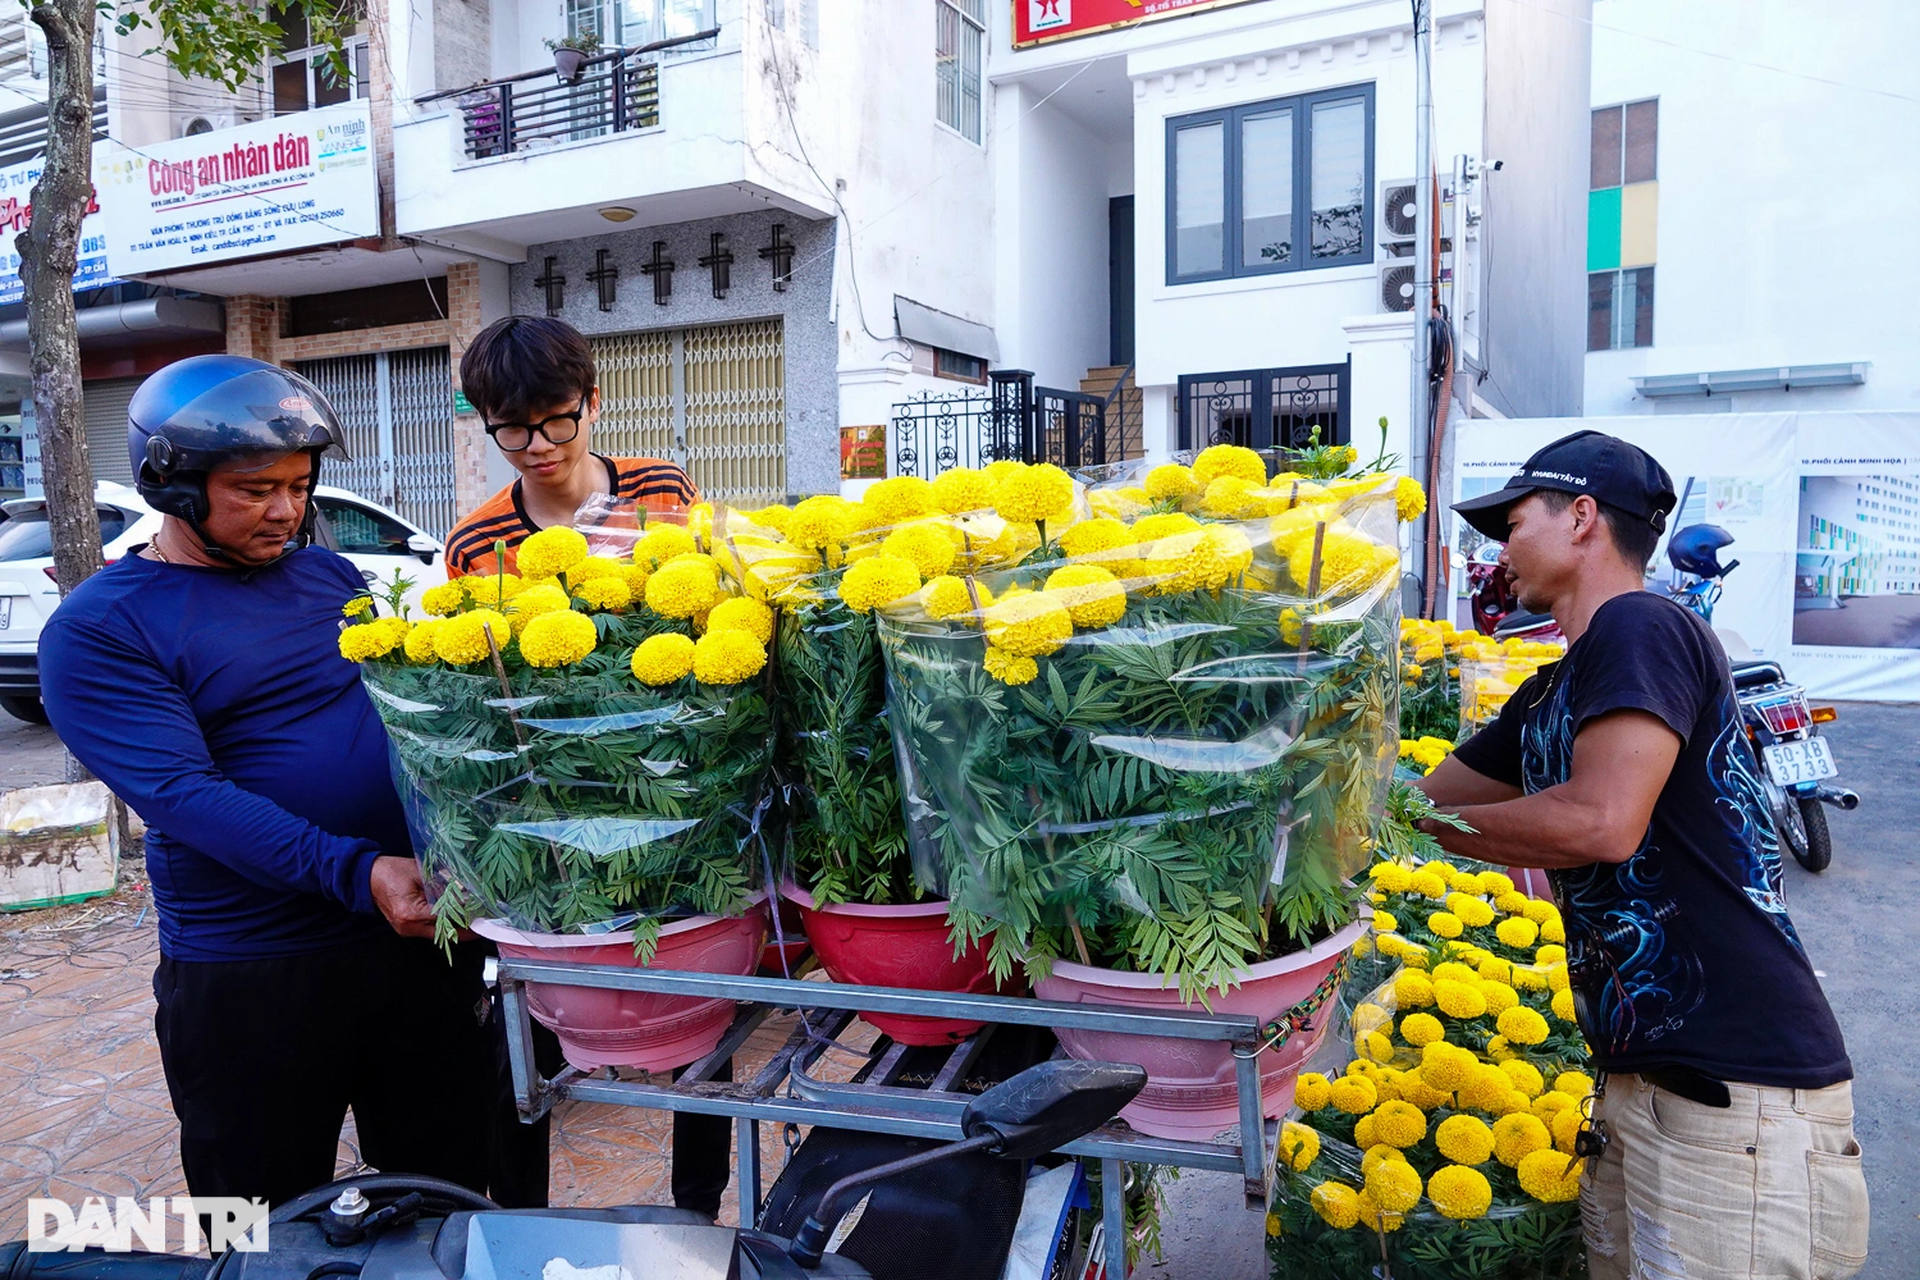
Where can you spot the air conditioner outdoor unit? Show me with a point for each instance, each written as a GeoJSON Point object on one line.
{"type": "Point", "coordinates": [204, 122]}
{"type": "Point", "coordinates": [1396, 212]}
{"type": "Point", "coordinates": [1396, 281]}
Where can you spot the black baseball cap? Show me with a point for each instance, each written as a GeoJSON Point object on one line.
{"type": "Point", "coordinates": [1605, 468]}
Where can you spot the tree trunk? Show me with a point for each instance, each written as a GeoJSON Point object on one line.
{"type": "Point", "coordinates": [48, 256]}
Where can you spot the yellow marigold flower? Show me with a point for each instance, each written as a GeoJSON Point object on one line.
{"type": "Point", "coordinates": [1513, 902]}
{"type": "Point", "coordinates": [1299, 1145]}
{"type": "Point", "coordinates": [1422, 1029]}
{"type": "Point", "coordinates": [1273, 1224]}
{"type": "Point", "coordinates": [1413, 990]}
{"type": "Point", "coordinates": [948, 597]}
{"type": "Point", "coordinates": [1228, 460]}
{"type": "Point", "coordinates": [1446, 924]}
{"type": "Point", "coordinates": [1521, 1025]}
{"type": "Point", "coordinates": [1550, 1177]}
{"type": "Point", "coordinates": [419, 642]}
{"type": "Point", "coordinates": [1459, 999]}
{"type": "Point", "coordinates": [592, 568]}
{"type": "Point", "coordinates": [727, 657]}
{"type": "Point", "coordinates": [1385, 922]}
{"type": "Point", "coordinates": [1378, 1154]}
{"type": "Point", "coordinates": [962, 489]}
{"type": "Point", "coordinates": [1310, 1091]}
{"type": "Point", "coordinates": [1010, 668]}
{"type": "Point", "coordinates": [1409, 499]}
{"type": "Point", "coordinates": [1394, 1185]}
{"type": "Point", "coordinates": [1368, 1016]}
{"type": "Point", "coordinates": [1528, 977]}
{"type": "Point", "coordinates": [1412, 1087]}
{"type": "Point", "coordinates": [1285, 493]}
{"type": "Point", "coordinates": [925, 546]}
{"type": "Point", "coordinates": [1032, 625]}
{"type": "Point", "coordinates": [535, 601]}
{"type": "Point", "coordinates": [662, 542]}
{"type": "Point", "coordinates": [773, 517]}
{"type": "Point", "coordinates": [1460, 1193]}
{"type": "Point", "coordinates": [898, 500]}
{"type": "Point", "coordinates": [663, 659]}
{"type": "Point", "coordinates": [358, 605]}
{"type": "Point", "coordinates": [1475, 913]}
{"type": "Point", "coordinates": [1389, 944]}
{"type": "Point", "coordinates": [1377, 1046]}
{"type": "Point", "coordinates": [1539, 910]}
{"type": "Point", "coordinates": [683, 587]}
{"type": "Point", "coordinates": [1454, 971]}
{"type": "Point", "coordinates": [1037, 493]}
{"type": "Point", "coordinates": [1230, 498]}
{"type": "Point", "coordinates": [551, 551]}
{"type": "Point", "coordinates": [1553, 929]}
{"type": "Point", "coordinates": [1563, 1006]}
{"type": "Point", "coordinates": [1000, 469]}
{"type": "Point", "coordinates": [878, 580]}
{"type": "Point", "coordinates": [822, 522]}
{"type": "Point", "coordinates": [1337, 1204]}
{"type": "Point", "coordinates": [557, 639]}
{"type": "Point", "coordinates": [1525, 1077]}
{"type": "Point", "coordinates": [1517, 931]}
{"type": "Point", "coordinates": [1499, 997]}
{"type": "Point", "coordinates": [1566, 1125]}
{"type": "Point", "coordinates": [1390, 876]}
{"type": "Point", "coordinates": [1354, 1095]}
{"type": "Point", "coordinates": [1498, 1049]}
{"type": "Point", "coordinates": [462, 640]}
{"type": "Point", "coordinates": [1413, 956]}
{"type": "Point", "coordinates": [607, 595]}
{"type": "Point", "coordinates": [1464, 1139]}
{"type": "Point", "coordinates": [367, 641]}
{"type": "Point", "coordinates": [1495, 883]}
{"type": "Point", "coordinates": [635, 575]}
{"type": "Point", "coordinates": [1518, 1136]}
{"type": "Point", "coordinates": [742, 614]}
{"type": "Point", "coordinates": [1363, 1135]}
{"type": "Point", "coordinates": [1446, 1066]}
{"type": "Point", "coordinates": [1486, 1089]}
{"type": "Point", "coordinates": [445, 599]}
{"type": "Point", "coordinates": [1398, 1124]}
{"type": "Point", "coordinates": [1089, 537]}
{"type": "Point", "coordinates": [1575, 1084]}
{"type": "Point", "coordinates": [1550, 954]}
{"type": "Point", "coordinates": [1170, 480]}
{"type": "Point", "coordinates": [1550, 1102]}
{"type": "Point", "coordinates": [1094, 598]}
{"type": "Point", "coordinates": [493, 588]}
{"type": "Point", "coordinates": [1427, 884]}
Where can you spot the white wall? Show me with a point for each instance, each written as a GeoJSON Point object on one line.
{"type": "Point", "coordinates": [1789, 178]}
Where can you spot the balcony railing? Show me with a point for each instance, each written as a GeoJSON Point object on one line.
{"type": "Point", "coordinates": [616, 91]}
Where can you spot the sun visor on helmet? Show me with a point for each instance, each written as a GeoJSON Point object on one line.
{"type": "Point", "coordinates": [270, 412]}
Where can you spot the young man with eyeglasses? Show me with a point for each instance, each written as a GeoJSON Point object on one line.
{"type": "Point", "coordinates": [533, 382]}
{"type": "Point", "coordinates": [1721, 1144]}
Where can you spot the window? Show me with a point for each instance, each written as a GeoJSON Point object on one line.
{"type": "Point", "coordinates": [959, 41]}
{"type": "Point", "coordinates": [304, 76]}
{"type": "Point", "coordinates": [951, 364]}
{"type": "Point", "coordinates": [631, 23]}
{"type": "Point", "coordinates": [1270, 186]}
{"type": "Point", "coordinates": [1622, 216]}
{"type": "Point", "coordinates": [360, 531]}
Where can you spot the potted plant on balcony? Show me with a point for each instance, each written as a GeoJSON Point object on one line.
{"type": "Point", "coordinates": [570, 54]}
{"type": "Point", "coordinates": [1153, 755]}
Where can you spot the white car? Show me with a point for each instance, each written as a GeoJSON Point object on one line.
{"type": "Point", "coordinates": [377, 540]}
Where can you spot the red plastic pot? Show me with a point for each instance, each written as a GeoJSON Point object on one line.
{"type": "Point", "coordinates": [1191, 1091]}
{"type": "Point", "coordinates": [903, 946]}
{"type": "Point", "coordinates": [599, 1028]}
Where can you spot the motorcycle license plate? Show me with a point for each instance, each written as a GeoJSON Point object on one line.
{"type": "Point", "coordinates": [1808, 760]}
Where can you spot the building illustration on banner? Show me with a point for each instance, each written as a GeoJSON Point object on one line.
{"type": "Point", "coordinates": [1857, 577]}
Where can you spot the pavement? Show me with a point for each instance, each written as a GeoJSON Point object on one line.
{"type": "Point", "coordinates": [86, 1107]}
{"type": "Point", "coordinates": [1877, 622]}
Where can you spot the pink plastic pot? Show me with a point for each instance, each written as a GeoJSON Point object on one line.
{"type": "Point", "coordinates": [895, 947]}
{"type": "Point", "coordinates": [1190, 1091]}
{"type": "Point", "coordinates": [600, 1028]}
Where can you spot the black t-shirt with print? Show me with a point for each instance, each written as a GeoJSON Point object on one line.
{"type": "Point", "coordinates": [1682, 955]}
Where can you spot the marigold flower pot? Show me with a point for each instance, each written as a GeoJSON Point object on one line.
{"type": "Point", "coordinates": [1191, 1092]}
{"type": "Point", "coordinates": [599, 1028]}
{"type": "Point", "coordinates": [904, 946]}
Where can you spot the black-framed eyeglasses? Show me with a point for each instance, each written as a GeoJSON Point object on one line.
{"type": "Point", "coordinates": [512, 437]}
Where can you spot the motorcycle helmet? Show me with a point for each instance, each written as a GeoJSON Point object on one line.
{"type": "Point", "coordinates": [1695, 549]}
{"type": "Point", "coordinates": [197, 413]}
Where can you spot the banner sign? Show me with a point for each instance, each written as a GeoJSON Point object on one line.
{"type": "Point", "coordinates": [1038, 21]}
{"type": "Point", "coordinates": [16, 212]}
{"type": "Point", "coordinates": [291, 182]}
{"type": "Point", "coordinates": [863, 453]}
{"type": "Point", "coordinates": [1824, 512]}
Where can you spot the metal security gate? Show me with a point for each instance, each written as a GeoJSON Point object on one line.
{"type": "Point", "coordinates": [397, 408]}
{"type": "Point", "coordinates": [1266, 408]}
{"type": "Point", "coordinates": [104, 404]}
{"type": "Point", "coordinates": [1013, 419]}
{"type": "Point", "coordinates": [712, 399]}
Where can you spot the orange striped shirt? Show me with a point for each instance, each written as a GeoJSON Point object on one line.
{"type": "Point", "coordinates": [655, 484]}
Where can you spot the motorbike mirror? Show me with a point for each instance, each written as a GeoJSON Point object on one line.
{"type": "Point", "coordinates": [1048, 1106]}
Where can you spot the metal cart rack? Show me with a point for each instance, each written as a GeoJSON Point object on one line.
{"type": "Point", "coordinates": [788, 1088]}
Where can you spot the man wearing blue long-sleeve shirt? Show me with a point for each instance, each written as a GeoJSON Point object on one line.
{"type": "Point", "coordinates": [200, 679]}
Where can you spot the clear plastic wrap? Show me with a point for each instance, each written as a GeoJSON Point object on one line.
{"type": "Point", "coordinates": [585, 749]}
{"type": "Point", "coordinates": [1490, 671]}
{"type": "Point", "coordinates": [1161, 741]}
{"type": "Point", "coordinates": [1468, 1073]}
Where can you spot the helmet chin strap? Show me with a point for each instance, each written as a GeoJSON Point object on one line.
{"type": "Point", "coordinates": [301, 540]}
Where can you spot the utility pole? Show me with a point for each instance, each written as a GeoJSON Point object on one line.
{"type": "Point", "coordinates": [1420, 415]}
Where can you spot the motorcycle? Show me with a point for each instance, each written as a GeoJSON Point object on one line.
{"type": "Point", "coordinates": [405, 1227]}
{"type": "Point", "coordinates": [1496, 610]}
{"type": "Point", "coordinates": [1779, 721]}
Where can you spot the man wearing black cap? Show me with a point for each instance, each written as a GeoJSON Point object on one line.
{"type": "Point", "coordinates": [1722, 1130]}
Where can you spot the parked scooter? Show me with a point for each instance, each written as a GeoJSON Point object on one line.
{"type": "Point", "coordinates": [1496, 610]}
{"type": "Point", "coordinates": [402, 1227]}
{"type": "Point", "coordinates": [1781, 725]}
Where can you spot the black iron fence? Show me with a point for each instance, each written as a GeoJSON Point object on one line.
{"type": "Point", "coordinates": [1013, 419]}
{"type": "Point", "coordinates": [613, 94]}
{"type": "Point", "coordinates": [1266, 408]}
